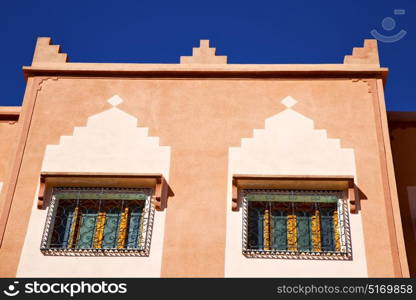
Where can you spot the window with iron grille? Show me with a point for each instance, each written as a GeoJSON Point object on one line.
{"type": "Point", "coordinates": [98, 221]}
{"type": "Point", "coordinates": [295, 224]}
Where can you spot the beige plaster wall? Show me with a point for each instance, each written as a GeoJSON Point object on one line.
{"type": "Point", "coordinates": [8, 142]}
{"type": "Point", "coordinates": [110, 142]}
{"type": "Point", "coordinates": [290, 145]}
{"type": "Point", "coordinates": [200, 119]}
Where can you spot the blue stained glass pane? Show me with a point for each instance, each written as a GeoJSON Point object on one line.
{"type": "Point", "coordinates": [67, 219]}
{"type": "Point", "coordinates": [112, 220]}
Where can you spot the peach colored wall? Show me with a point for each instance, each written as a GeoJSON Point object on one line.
{"type": "Point", "coordinates": [290, 145]}
{"type": "Point", "coordinates": [389, 181]}
{"type": "Point", "coordinates": [200, 119]}
{"type": "Point", "coordinates": [8, 134]}
{"type": "Point", "coordinates": [110, 142]}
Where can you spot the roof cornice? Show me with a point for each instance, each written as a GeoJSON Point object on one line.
{"type": "Point", "coordinates": [207, 71]}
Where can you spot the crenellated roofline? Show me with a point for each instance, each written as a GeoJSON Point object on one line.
{"type": "Point", "coordinates": [204, 63]}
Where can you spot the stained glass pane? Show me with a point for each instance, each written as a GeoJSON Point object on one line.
{"type": "Point", "coordinates": [97, 223]}
{"type": "Point", "coordinates": [133, 236]}
{"type": "Point", "coordinates": [293, 221]}
{"type": "Point", "coordinates": [102, 196]}
{"type": "Point", "coordinates": [62, 226]}
{"type": "Point", "coordinates": [112, 220]}
{"type": "Point", "coordinates": [301, 198]}
{"type": "Point", "coordinates": [87, 229]}
{"type": "Point", "coordinates": [68, 220]}
{"type": "Point", "coordinates": [327, 230]}
{"type": "Point", "coordinates": [303, 220]}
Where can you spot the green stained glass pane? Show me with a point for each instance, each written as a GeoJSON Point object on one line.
{"type": "Point", "coordinates": [303, 221]}
{"type": "Point", "coordinates": [255, 227]}
{"type": "Point", "coordinates": [327, 231]}
{"type": "Point", "coordinates": [133, 236]}
{"type": "Point", "coordinates": [278, 230]}
{"type": "Point", "coordinates": [111, 226]}
{"type": "Point", "coordinates": [86, 229]}
{"type": "Point", "coordinates": [101, 196]}
{"type": "Point", "coordinates": [293, 198]}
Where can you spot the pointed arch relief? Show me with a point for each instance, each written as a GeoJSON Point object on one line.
{"type": "Point", "coordinates": [111, 141]}
{"type": "Point", "coordinates": [289, 144]}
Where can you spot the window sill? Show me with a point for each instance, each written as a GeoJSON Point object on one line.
{"type": "Point", "coordinates": [48, 180]}
{"type": "Point", "coordinates": [94, 252]}
{"type": "Point", "coordinates": [297, 255]}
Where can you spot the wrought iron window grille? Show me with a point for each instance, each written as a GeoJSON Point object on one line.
{"type": "Point", "coordinates": [98, 222]}
{"type": "Point", "coordinates": [272, 219]}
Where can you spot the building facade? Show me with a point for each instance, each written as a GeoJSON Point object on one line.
{"type": "Point", "coordinates": [206, 169]}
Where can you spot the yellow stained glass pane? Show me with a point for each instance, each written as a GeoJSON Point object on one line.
{"type": "Point", "coordinates": [99, 230]}
{"type": "Point", "coordinates": [316, 232]}
{"type": "Point", "coordinates": [266, 233]}
{"type": "Point", "coordinates": [121, 241]}
{"type": "Point", "coordinates": [292, 233]}
{"type": "Point", "coordinates": [71, 242]}
{"type": "Point", "coordinates": [336, 232]}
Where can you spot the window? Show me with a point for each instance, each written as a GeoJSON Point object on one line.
{"type": "Point", "coordinates": [98, 221]}
{"type": "Point", "coordinates": [295, 224]}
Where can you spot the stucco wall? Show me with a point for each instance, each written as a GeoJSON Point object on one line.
{"type": "Point", "coordinates": [8, 141]}
{"type": "Point", "coordinates": [290, 145]}
{"type": "Point", "coordinates": [200, 119]}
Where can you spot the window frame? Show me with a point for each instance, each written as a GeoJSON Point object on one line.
{"type": "Point", "coordinates": [146, 229]}
{"type": "Point", "coordinates": [344, 228]}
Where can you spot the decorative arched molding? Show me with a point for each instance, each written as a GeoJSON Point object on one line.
{"type": "Point", "coordinates": [290, 148]}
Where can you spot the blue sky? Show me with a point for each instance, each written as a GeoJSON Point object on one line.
{"type": "Point", "coordinates": [275, 32]}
